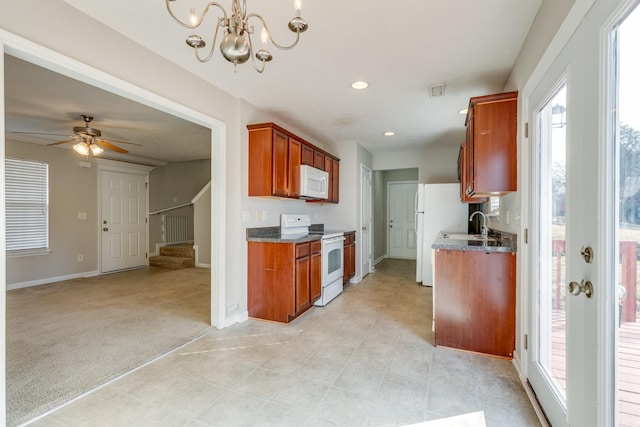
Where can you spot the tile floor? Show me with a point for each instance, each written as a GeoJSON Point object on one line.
{"type": "Point", "coordinates": [366, 359]}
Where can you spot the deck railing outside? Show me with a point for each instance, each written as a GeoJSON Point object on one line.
{"type": "Point", "coordinates": [628, 332]}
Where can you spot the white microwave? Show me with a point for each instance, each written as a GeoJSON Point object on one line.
{"type": "Point", "coordinates": [314, 183]}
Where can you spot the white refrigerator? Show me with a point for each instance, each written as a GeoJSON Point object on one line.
{"type": "Point", "coordinates": [437, 208]}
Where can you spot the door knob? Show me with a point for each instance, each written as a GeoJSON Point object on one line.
{"type": "Point", "coordinates": [576, 288]}
{"type": "Point", "coordinates": [105, 229]}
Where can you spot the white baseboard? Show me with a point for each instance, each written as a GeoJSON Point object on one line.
{"type": "Point", "coordinates": [236, 318]}
{"type": "Point", "coordinates": [198, 264]}
{"type": "Point", "coordinates": [379, 259]}
{"type": "Point", "coordinates": [51, 280]}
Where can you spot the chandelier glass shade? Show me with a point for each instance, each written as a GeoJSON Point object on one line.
{"type": "Point", "coordinates": [236, 44]}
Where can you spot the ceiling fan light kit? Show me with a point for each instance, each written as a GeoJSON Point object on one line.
{"type": "Point", "coordinates": [87, 140]}
{"type": "Point", "coordinates": [237, 45]}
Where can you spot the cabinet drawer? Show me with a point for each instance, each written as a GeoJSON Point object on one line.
{"type": "Point", "coordinates": [316, 247]}
{"type": "Point", "coordinates": [349, 239]}
{"type": "Point", "coordinates": [302, 250]}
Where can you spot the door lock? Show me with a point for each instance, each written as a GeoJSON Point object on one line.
{"type": "Point", "coordinates": [105, 229]}
{"type": "Point", "coordinates": [587, 254]}
{"type": "Point", "coordinates": [576, 288]}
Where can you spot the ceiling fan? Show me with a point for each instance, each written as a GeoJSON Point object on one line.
{"type": "Point", "coordinates": [88, 139]}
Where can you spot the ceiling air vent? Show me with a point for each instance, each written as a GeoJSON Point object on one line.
{"type": "Point", "coordinates": [436, 90]}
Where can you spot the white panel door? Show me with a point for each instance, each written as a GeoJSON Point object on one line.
{"type": "Point", "coordinates": [123, 221]}
{"type": "Point", "coordinates": [401, 222]}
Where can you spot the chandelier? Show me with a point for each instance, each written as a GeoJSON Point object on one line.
{"type": "Point", "coordinates": [237, 45]}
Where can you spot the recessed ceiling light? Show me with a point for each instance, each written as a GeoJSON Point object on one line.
{"type": "Point", "coordinates": [359, 85]}
{"type": "Point", "coordinates": [389, 133]}
{"type": "Point", "coordinates": [463, 111]}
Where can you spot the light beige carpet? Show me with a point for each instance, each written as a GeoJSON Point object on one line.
{"type": "Point", "coordinates": [66, 338]}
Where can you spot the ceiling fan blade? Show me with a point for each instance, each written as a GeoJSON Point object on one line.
{"type": "Point", "coordinates": [62, 142]}
{"type": "Point", "coordinates": [41, 133]}
{"type": "Point", "coordinates": [109, 146]}
{"type": "Point", "coordinates": [118, 141]}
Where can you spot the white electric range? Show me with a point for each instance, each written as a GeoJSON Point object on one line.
{"type": "Point", "coordinates": [297, 226]}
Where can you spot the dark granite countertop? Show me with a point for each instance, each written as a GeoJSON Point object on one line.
{"type": "Point", "coordinates": [497, 242]}
{"type": "Point", "coordinates": [272, 235]}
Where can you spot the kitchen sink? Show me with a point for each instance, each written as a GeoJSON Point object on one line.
{"type": "Point", "coordinates": [460, 236]}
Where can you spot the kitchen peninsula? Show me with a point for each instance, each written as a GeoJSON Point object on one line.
{"type": "Point", "coordinates": [474, 293]}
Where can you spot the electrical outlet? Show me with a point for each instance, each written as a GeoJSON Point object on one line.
{"type": "Point", "coordinates": [265, 215]}
{"type": "Point", "coordinates": [80, 258]}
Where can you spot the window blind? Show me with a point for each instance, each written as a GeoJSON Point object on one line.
{"type": "Point", "coordinates": [27, 204]}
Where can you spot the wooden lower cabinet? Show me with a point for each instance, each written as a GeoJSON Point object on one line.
{"type": "Point", "coordinates": [475, 300]}
{"type": "Point", "coordinates": [349, 257]}
{"type": "Point", "coordinates": [284, 279]}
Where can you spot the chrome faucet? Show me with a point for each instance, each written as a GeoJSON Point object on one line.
{"type": "Point", "coordinates": [484, 230]}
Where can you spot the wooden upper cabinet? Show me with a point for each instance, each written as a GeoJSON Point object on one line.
{"type": "Point", "coordinates": [295, 154]}
{"type": "Point", "coordinates": [462, 177]}
{"type": "Point", "coordinates": [280, 165]}
{"type": "Point", "coordinates": [307, 155]}
{"type": "Point", "coordinates": [318, 160]}
{"type": "Point", "coordinates": [334, 185]}
{"type": "Point", "coordinates": [275, 156]}
{"type": "Point", "coordinates": [491, 157]}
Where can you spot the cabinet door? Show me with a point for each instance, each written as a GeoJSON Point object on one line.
{"type": "Point", "coordinates": [327, 168]}
{"type": "Point", "coordinates": [352, 261]}
{"type": "Point", "coordinates": [295, 153]}
{"type": "Point", "coordinates": [318, 160]}
{"type": "Point", "coordinates": [346, 261]}
{"type": "Point", "coordinates": [315, 276]}
{"type": "Point", "coordinates": [280, 164]}
{"type": "Point", "coordinates": [303, 295]}
{"type": "Point", "coordinates": [462, 177]}
{"type": "Point", "coordinates": [495, 147]}
{"type": "Point", "coordinates": [307, 155]}
{"type": "Point", "coordinates": [468, 177]}
{"type": "Point", "coordinates": [335, 181]}
{"type": "Point", "coordinates": [491, 144]}
{"type": "Point", "coordinates": [475, 301]}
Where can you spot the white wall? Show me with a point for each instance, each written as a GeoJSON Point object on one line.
{"type": "Point", "coordinates": [72, 189]}
{"type": "Point", "coordinates": [436, 164]}
{"type": "Point", "coordinates": [171, 185]}
{"type": "Point", "coordinates": [202, 227]}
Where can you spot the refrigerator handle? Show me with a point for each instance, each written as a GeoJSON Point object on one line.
{"type": "Point", "coordinates": [415, 222]}
{"type": "Point", "coordinates": [415, 201]}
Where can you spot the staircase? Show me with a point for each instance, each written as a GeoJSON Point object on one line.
{"type": "Point", "coordinates": [174, 256]}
